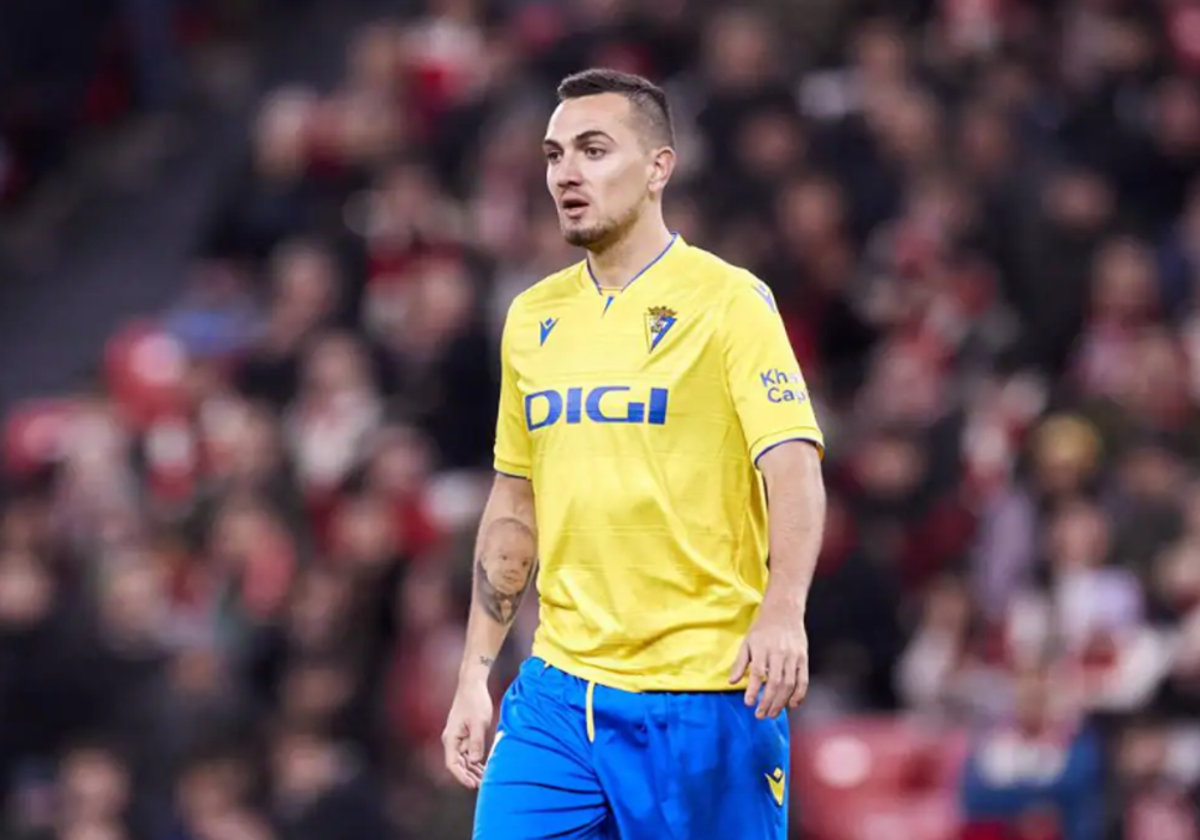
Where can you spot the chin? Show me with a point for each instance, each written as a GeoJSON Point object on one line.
{"type": "Point", "coordinates": [584, 237]}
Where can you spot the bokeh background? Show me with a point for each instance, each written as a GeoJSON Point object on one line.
{"type": "Point", "coordinates": [255, 255]}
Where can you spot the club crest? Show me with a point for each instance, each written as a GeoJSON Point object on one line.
{"type": "Point", "coordinates": [659, 320]}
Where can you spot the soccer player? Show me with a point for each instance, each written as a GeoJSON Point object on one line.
{"type": "Point", "coordinates": [652, 415]}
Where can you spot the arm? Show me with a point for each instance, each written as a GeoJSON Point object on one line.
{"type": "Point", "coordinates": [776, 649]}
{"type": "Point", "coordinates": [505, 563]}
{"type": "Point", "coordinates": [785, 443]}
{"type": "Point", "coordinates": [796, 520]}
{"type": "Point", "coordinates": [506, 547]}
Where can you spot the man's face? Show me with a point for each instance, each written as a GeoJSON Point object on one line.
{"type": "Point", "coordinates": [599, 170]}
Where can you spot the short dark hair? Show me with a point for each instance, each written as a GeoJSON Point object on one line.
{"type": "Point", "coordinates": [647, 99]}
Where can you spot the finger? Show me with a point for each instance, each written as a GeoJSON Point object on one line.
{"type": "Point", "coordinates": [774, 664]}
{"type": "Point", "coordinates": [450, 741]}
{"type": "Point", "coordinates": [474, 750]}
{"type": "Point", "coordinates": [801, 689]}
{"type": "Point", "coordinates": [773, 697]}
{"type": "Point", "coordinates": [458, 769]}
{"type": "Point", "coordinates": [475, 773]}
{"type": "Point", "coordinates": [787, 685]}
{"type": "Point", "coordinates": [758, 678]}
{"type": "Point", "coordinates": [740, 664]}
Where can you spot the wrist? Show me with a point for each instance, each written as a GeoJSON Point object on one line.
{"type": "Point", "coordinates": [476, 668]}
{"type": "Point", "coordinates": [780, 595]}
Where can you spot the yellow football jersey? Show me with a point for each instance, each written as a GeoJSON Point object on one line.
{"type": "Point", "coordinates": [638, 415]}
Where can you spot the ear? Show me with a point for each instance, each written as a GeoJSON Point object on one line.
{"type": "Point", "coordinates": [662, 165]}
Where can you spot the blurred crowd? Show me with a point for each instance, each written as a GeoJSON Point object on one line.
{"type": "Point", "coordinates": [71, 70]}
{"type": "Point", "coordinates": [235, 563]}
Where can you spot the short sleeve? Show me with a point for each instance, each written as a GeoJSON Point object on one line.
{"type": "Point", "coordinates": [512, 451]}
{"type": "Point", "coordinates": [764, 378]}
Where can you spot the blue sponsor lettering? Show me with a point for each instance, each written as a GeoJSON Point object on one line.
{"type": "Point", "coordinates": [780, 395]}
{"type": "Point", "coordinates": [783, 386]}
{"type": "Point", "coordinates": [545, 404]}
{"type": "Point", "coordinates": [780, 377]}
{"type": "Point", "coordinates": [600, 404]}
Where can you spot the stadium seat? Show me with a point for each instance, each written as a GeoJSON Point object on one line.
{"type": "Point", "coordinates": [864, 777]}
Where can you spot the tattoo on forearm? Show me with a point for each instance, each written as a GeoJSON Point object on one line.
{"type": "Point", "coordinates": [499, 604]}
{"type": "Point", "coordinates": [487, 661]}
{"type": "Point", "coordinates": [505, 568]}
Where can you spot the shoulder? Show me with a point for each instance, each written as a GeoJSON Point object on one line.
{"type": "Point", "coordinates": [724, 280]}
{"type": "Point", "coordinates": [538, 305]}
{"type": "Point", "coordinates": [745, 305]}
{"type": "Point", "coordinates": [547, 292]}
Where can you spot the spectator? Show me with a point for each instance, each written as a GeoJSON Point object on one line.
{"type": "Point", "coordinates": [1040, 777]}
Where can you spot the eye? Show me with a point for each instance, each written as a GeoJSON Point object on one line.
{"type": "Point", "coordinates": [553, 156]}
{"type": "Point", "coordinates": [594, 152]}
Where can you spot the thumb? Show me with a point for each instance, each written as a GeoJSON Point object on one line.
{"type": "Point", "coordinates": [740, 664]}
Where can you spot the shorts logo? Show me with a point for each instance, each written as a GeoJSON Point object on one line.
{"type": "Point", "coordinates": [659, 320]}
{"type": "Point", "coordinates": [777, 782]}
{"type": "Point", "coordinates": [783, 386]}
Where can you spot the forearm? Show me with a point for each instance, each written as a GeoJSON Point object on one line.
{"type": "Point", "coordinates": [507, 530]}
{"type": "Point", "coordinates": [796, 516]}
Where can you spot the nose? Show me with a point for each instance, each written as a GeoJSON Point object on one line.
{"type": "Point", "coordinates": [567, 174]}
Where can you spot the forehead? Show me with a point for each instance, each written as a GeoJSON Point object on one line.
{"type": "Point", "coordinates": [509, 530]}
{"type": "Point", "coordinates": [610, 113]}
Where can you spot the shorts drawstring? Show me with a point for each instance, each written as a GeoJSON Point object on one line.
{"type": "Point", "coordinates": [590, 713]}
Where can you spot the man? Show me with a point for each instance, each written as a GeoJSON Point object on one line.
{"type": "Point", "coordinates": [641, 388]}
{"type": "Point", "coordinates": [1041, 775]}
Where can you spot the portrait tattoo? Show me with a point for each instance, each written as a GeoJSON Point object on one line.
{"type": "Point", "coordinates": [505, 567]}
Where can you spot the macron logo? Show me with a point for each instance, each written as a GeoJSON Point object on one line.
{"type": "Point", "coordinates": [765, 293]}
{"type": "Point", "coordinates": [778, 784]}
{"type": "Point", "coordinates": [547, 327]}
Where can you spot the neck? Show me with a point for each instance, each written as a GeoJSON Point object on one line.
{"type": "Point", "coordinates": [617, 264]}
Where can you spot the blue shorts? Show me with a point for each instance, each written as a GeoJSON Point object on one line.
{"type": "Point", "coordinates": [578, 761]}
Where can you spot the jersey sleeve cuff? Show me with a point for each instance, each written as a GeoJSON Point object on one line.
{"type": "Point", "coordinates": [510, 469]}
{"type": "Point", "coordinates": [807, 434]}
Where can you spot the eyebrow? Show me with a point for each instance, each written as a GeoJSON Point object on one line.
{"type": "Point", "coordinates": [580, 138]}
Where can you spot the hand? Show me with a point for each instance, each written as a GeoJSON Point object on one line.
{"type": "Point", "coordinates": [776, 653]}
{"type": "Point", "coordinates": [466, 730]}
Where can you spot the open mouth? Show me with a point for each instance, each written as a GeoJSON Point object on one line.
{"type": "Point", "coordinates": [573, 208]}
